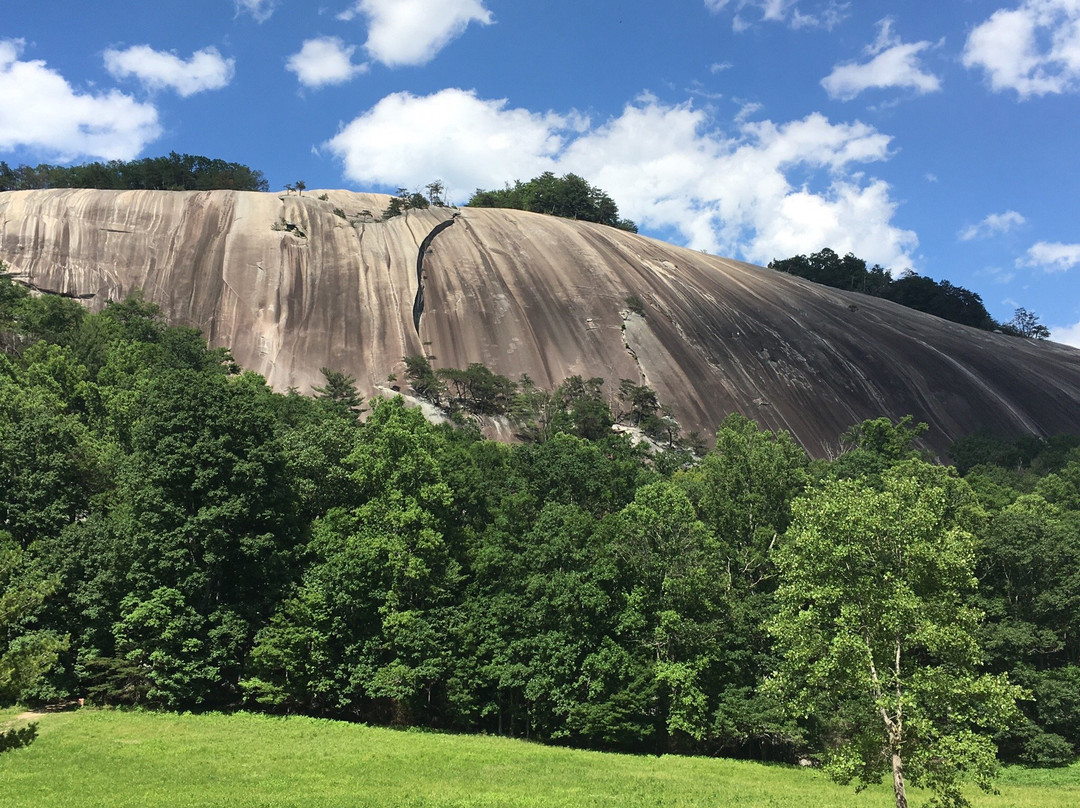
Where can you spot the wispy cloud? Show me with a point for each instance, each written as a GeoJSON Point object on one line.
{"type": "Point", "coordinates": [993, 225]}
{"type": "Point", "coordinates": [1033, 49]}
{"type": "Point", "coordinates": [892, 63]}
{"type": "Point", "coordinates": [39, 109]}
{"type": "Point", "coordinates": [159, 70]}
{"type": "Point", "coordinates": [261, 10]}
{"type": "Point", "coordinates": [827, 14]}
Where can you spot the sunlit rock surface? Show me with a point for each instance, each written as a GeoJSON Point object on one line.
{"type": "Point", "coordinates": [296, 283]}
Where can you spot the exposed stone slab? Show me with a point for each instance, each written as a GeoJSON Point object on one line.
{"type": "Point", "coordinates": [292, 286]}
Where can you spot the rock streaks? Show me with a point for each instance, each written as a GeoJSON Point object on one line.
{"type": "Point", "coordinates": [293, 284]}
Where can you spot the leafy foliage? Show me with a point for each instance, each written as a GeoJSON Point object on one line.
{"type": "Point", "coordinates": [340, 392]}
{"type": "Point", "coordinates": [876, 635]}
{"type": "Point", "coordinates": [25, 654]}
{"type": "Point", "coordinates": [940, 298]}
{"type": "Point", "coordinates": [19, 737]}
{"type": "Point", "coordinates": [176, 534]}
{"type": "Point", "coordinates": [1026, 324]}
{"type": "Point", "coordinates": [175, 172]}
{"type": "Point", "coordinates": [569, 196]}
{"type": "Point", "coordinates": [405, 201]}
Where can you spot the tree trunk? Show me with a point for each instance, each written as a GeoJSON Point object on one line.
{"type": "Point", "coordinates": [898, 781]}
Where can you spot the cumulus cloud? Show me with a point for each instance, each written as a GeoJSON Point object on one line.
{"type": "Point", "coordinates": [160, 70]}
{"type": "Point", "coordinates": [412, 32]}
{"type": "Point", "coordinates": [1033, 49]}
{"type": "Point", "coordinates": [470, 142]}
{"type": "Point", "coordinates": [1066, 334]}
{"type": "Point", "coordinates": [826, 14]}
{"type": "Point", "coordinates": [993, 225]}
{"type": "Point", "coordinates": [261, 10]}
{"type": "Point", "coordinates": [324, 60]}
{"type": "Point", "coordinates": [670, 168]}
{"type": "Point", "coordinates": [892, 64]}
{"type": "Point", "coordinates": [1051, 256]}
{"type": "Point", "coordinates": [40, 110]}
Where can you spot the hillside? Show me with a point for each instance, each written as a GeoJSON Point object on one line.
{"type": "Point", "coordinates": [110, 759]}
{"type": "Point", "coordinates": [295, 283]}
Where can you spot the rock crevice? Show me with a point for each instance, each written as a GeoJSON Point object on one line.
{"type": "Point", "coordinates": [425, 245]}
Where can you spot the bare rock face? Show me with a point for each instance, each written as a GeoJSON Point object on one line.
{"type": "Point", "coordinates": [295, 283]}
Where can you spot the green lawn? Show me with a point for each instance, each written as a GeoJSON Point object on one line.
{"type": "Point", "coordinates": [105, 758]}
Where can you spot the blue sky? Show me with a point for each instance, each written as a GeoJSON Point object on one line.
{"type": "Point", "coordinates": [937, 137]}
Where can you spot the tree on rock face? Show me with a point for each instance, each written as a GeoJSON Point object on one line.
{"type": "Point", "coordinates": [876, 639]}
{"type": "Point", "coordinates": [1026, 324]}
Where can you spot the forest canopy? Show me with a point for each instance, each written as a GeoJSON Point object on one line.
{"type": "Point", "coordinates": [568, 196]}
{"type": "Point", "coordinates": [940, 298]}
{"type": "Point", "coordinates": [174, 172]}
{"type": "Point", "coordinates": [180, 536]}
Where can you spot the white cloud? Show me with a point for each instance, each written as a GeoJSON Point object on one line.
{"type": "Point", "coordinates": [827, 14]}
{"type": "Point", "coordinates": [261, 10]}
{"type": "Point", "coordinates": [40, 110]}
{"type": "Point", "coordinates": [412, 32]}
{"type": "Point", "coordinates": [406, 140]}
{"type": "Point", "coordinates": [1066, 334]}
{"type": "Point", "coordinates": [893, 64]}
{"type": "Point", "coordinates": [1051, 256]}
{"type": "Point", "coordinates": [324, 60]}
{"type": "Point", "coordinates": [669, 167]}
{"type": "Point", "coordinates": [1033, 49]}
{"type": "Point", "coordinates": [160, 70]}
{"type": "Point", "coordinates": [992, 225]}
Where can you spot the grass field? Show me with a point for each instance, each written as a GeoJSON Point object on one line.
{"type": "Point", "coordinates": [110, 759]}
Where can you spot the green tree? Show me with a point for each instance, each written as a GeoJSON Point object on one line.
{"type": "Point", "coordinates": [672, 610]}
{"type": "Point", "coordinates": [48, 463]}
{"type": "Point", "coordinates": [421, 376]}
{"type": "Point", "coordinates": [208, 513]}
{"type": "Point", "coordinates": [25, 653]}
{"type": "Point", "coordinates": [367, 629]}
{"type": "Point", "coordinates": [1029, 587]}
{"type": "Point", "coordinates": [1026, 324]}
{"type": "Point", "coordinates": [167, 643]}
{"type": "Point", "coordinates": [537, 608]}
{"type": "Point", "coordinates": [641, 400]}
{"type": "Point", "coordinates": [174, 172]}
{"type": "Point", "coordinates": [742, 491]}
{"type": "Point", "coordinates": [589, 415]}
{"type": "Point", "coordinates": [340, 392]}
{"type": "Point", "coordinates": [435, 190]}
{"type": "Point", "coordinates": [874, 445]}
{"type": "Point", "coordinates": [939, 298]}
{"type": "Point", "coordinates": [569, 196]}
{"type": "Point", "coordinates": [876, 637]}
